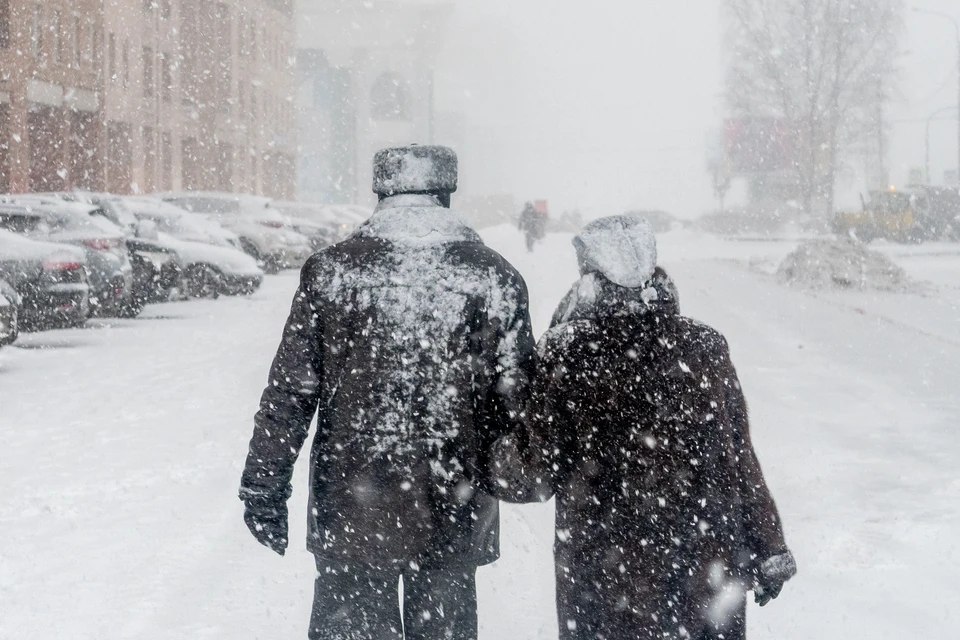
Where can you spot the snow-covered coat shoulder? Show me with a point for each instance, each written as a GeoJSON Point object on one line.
{"type": "Point", "coordinates": [414, 341]}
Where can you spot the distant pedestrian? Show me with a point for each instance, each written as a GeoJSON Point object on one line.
{"type": "Point", "coordinates": [638, 426]}
{"type": "Point", "coordinates": [533, 224]}
{"type": "Point", "coordinates": [411, 343]}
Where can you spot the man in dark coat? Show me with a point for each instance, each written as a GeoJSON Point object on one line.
{"type": "Point", "coordinates": [638, 425]}
{"type": "Point", "coordinates": [533, 224]}
{"type": "Point", "coordinates": [414, 341]}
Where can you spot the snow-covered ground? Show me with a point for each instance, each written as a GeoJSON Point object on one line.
{"type": "Point", "coordinates": [121, 448]}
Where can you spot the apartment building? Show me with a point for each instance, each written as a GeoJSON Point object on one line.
{"type": "Point", "coordinates": [135, 96]}
{"type": "Point", "coordinates": [238, 64]}
{"type": "Point", "coordinates": [365, 82]}
{"type": "Point", "coordinates": [50, 128]}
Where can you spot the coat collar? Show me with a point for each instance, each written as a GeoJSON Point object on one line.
{"type": "Point", "coordinates": [417, 219]}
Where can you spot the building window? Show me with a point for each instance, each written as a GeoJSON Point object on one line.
{"type": "Point", "coordinates": [149, 159]}
{"type": "Point", "coordinates": [36, 31]}
{"type": "Point", "coordinates": [388, 98]}
{"type": "Point", "coordinates": [4, 24]}
{"type": "Point", "coordinates": [166, 162]}
{"type": "Point", "coordinates": [148, 81]}
{"type": "Point", "coordinates": [55, 39]}
{"type": "Point", "coordinates": [166, 67]}
{"type": "Point", "coordinates": [112, 53]}
{"type": "Point", "coordinates": [76, 37]}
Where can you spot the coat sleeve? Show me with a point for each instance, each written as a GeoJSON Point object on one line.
{"type": "Point", "coordinates": [515, 360]}
{"type": "Point", "coordinates": [532, 459]}
{"type": "Point", "coordinates": [761, 521]}
{"type": "Point", "coordinates": [288, 403]}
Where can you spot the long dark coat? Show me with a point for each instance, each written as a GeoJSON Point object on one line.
{"type": "Point", "coordinates": [414, 341]}
{"type": "Point", "coordinates": [639, 428]}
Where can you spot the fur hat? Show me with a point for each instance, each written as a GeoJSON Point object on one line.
{"type": "Point", "coordinates": [414, 169]}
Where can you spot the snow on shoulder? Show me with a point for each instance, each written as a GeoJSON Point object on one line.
{"type": "Point", "coordinates": [622, 248]}
{"type": "Point", "coordinates": [416, 219]}
{"type": "Point", "coordinates": [841, 263]}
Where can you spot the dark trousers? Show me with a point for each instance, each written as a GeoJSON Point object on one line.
{"type": "Point", "coordinates": [357, 602]}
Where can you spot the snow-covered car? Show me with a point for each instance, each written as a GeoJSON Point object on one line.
{"type": "Point", "coordinates": [212, 263]}
{"type": "Point", "coordinates": [336, 221]}
{"type": "Point", "coordinates": [211, 270]}
{"type": "Point", "coordinates": [157, 270]}
{"type": "Point", "coordinates": [182, 224]}
{"type": "Point", "coordinates": [108, 267]}
{"type": "Point", "coordinates": [264, 232]}
{"type": "Point", "coordinates": [9, 313]}
{"type": "Point", "coordinates": [49, 279]}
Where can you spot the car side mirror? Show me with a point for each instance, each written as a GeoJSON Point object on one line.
{"type": "Point", "coordinates": [147, 229]}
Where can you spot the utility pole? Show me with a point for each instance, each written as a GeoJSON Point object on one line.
{"type": "Point", "coordinates": [933, 116]}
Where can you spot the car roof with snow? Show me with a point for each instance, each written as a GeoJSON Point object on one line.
{"type": "Point", "coordinates": [16, 247]}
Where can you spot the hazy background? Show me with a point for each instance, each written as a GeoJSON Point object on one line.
{"type": "Point", "coordinates": [608, 105]}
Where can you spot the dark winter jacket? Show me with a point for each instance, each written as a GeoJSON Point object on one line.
{"type": "Point", "coordinates": [638, 426]}
{"type": "Point", "coordinates": [414, 341]}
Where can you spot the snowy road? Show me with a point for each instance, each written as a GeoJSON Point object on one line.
{"type": "Point", "coordinates": [121, 448]}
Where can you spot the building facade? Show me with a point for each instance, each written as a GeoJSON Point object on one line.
{"type": "Point", "coordinates": [49, 101]}
{"type": "Point", "coordinates": [365, 82]}
{"type": "Point", "coordinates": [136, 96]}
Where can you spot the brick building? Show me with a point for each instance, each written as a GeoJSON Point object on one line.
{"type": "Point", "coordinates": [50, 127]}
{"type": "Point", "coordinates": [147, 95]}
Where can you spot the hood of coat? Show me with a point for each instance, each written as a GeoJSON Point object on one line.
{"type": "Point", "coordinates": [621, 248]}
{"type": "Point", "coordinates": [594, 297]}
{"type": "Point", "coordinates": [417, 219]}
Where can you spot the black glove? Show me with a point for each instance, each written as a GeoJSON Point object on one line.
{"type": "Point", "coordinates": [267, 521]}
{"type": "Point", "coordinates": [772, 575]}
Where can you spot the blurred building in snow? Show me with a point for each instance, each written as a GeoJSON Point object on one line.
{"type": "Point", "coordinates": [147, 95]}
{"type": "Point", "coordinates": [365, 82]}
{"type": "Point", "coordinates": [50, 127]}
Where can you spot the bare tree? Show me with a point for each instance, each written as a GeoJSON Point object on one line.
{"type": "Point", "coordinates": [819, 66]}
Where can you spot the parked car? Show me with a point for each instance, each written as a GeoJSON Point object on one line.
{"type": "Point", "coordinates": [212, 266]}
{"type": "Point", "coordinates": [312, 221]}
{"type": "Point", "coordinates": [108, 265]}
{"type": "Point", "coordinates": [157, 269]}
{"type": "Point", "coordinates": [9, 313]}
{"type": "Point", "coordinates": [49, 279]}
{"type": "Point", "coordinates": [337, 221]}
{"type": "Point", "coordinates": [264, 232]}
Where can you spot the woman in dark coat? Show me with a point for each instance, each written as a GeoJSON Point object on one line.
{"type": "Point", "coordinates": [638, 426]}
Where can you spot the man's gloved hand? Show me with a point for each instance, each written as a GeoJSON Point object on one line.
{"type": "Point", "coordinates": [267, 521]}
{"type": "Point", "coordinates": [772, 575]}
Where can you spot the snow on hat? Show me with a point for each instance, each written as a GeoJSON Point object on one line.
{"type": "Point", "coordinates": [414, 169]}
{"type": "Point", "coordinates": [621, 248]}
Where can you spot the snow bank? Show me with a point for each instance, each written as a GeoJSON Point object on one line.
{"type": "Point", "coordinates": [841, 263]}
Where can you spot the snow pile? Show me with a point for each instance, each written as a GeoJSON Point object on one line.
{"type": "Point", "coordinates": [841, 263]}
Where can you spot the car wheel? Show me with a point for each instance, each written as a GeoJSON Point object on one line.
{"type": "Point", "coordinates": [203, 281]}
{"type": "Point", "coordinates": [131, 308]}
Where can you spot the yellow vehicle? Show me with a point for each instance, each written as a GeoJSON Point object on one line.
{"type": "Point", "coordinates": [915, 214]}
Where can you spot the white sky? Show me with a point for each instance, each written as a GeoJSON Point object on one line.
{"type": "Point", "coordinates": [608, 104]}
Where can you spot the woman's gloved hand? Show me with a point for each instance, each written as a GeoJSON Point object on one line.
{"type": "Point", "coordinates": [772, 574]}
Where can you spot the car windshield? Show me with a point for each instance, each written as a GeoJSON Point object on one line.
{"type": "Point", "coordinates": [179, 226]}
{"type": "Point", "coordinates": [70, 221]}
{"type": "Point", "coordinates": [197, 204]}
{"type": "Point", "coordinates": [19, 221]}
{"type": "Point", "coordinates": [119, 211]}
